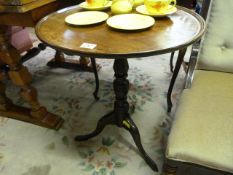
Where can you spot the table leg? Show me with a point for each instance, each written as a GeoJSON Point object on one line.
{"type": "Point", "coordinates": [21, 77]}
{"type": "Point", "coordinates": [120, 115]}
{"type": "Point", "coordinates": [83, 64]}
{"type": "Point", "coordinates": [179, 61]}
{"type": "Point", "coordinates": [95, 94]}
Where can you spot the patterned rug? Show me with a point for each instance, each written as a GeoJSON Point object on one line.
{"type": "Point", "coordinates": [26, 149]}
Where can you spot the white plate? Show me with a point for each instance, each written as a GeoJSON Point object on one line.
{"type": "Point", "coordinates": [84, 5]}
{"type": "Point", "coordinates": [130, 21]}
{"type": "Point", "coordinates": [142, 9]}
{"type": "Point", "coordinates": [86, 18]}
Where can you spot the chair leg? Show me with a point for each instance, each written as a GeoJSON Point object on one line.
{"type": "Point", "coordinates": [171, 61]}
{"type": "Point", "coordinates": [184, 64]}
{"type": "Point", "coordinates": [169, 168]}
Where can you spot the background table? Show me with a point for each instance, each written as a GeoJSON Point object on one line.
{"type": "Point", "coordinates": [23, 13]}
{"type": "Point", "coordinates": [168, 34]}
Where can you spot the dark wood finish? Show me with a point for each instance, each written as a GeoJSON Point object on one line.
{"type": "Point", "coordinates": [179, 62]}
{"type": "Point", "coordinates": [168, 34]}
{"type": "Point", "coordinates": [120, 115]}
{"type": "Point", "coordinates": [171, 61]}
{"type": "Point", "coordinates": [95, 93]}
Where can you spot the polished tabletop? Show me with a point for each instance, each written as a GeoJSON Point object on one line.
{"type": "Point", "coordinates": [168, 34]}
{"type": "Point", "coordinates": [174, 32]}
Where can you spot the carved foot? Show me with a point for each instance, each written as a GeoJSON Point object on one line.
{"type": "Point", "coordinates": [104, 121]}
{"type": "Point", "coordinates": [129, 125]}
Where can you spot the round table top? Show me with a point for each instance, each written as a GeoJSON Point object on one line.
{"type": "Point", "coordinates": [168, 34]}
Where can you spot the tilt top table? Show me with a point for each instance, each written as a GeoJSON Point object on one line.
{"type": "Point", "coordinates": [171, 33]}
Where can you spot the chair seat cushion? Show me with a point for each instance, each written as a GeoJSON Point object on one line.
{"type": "Point", "coordinates": [202, 132]}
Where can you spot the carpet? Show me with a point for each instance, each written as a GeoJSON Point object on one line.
{"type": "Point", "coordinates": [26, 149]}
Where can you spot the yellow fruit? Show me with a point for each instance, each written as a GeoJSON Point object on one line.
{"type": "Point", "coordinates": [121, 6]}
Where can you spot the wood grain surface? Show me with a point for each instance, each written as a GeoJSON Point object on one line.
{"type": "Point", "coordinates": [168, 34]}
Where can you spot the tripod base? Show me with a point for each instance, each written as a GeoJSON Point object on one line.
{"type": "Point", "coordinates": [120, 115]}
{"type": "Point", "coordinates": [129, 125]}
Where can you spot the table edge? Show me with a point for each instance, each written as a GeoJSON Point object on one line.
{"type": "Point", "coordinates": [128, 55]}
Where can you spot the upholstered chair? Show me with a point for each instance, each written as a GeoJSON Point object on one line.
{"type": "Point", "coordinates": [202, 130]}
{"type": "Point", "coordinates": [204, 4]}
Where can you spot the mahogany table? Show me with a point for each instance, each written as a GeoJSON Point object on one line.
{"type": "Point", "coordinates": [168, 34]}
